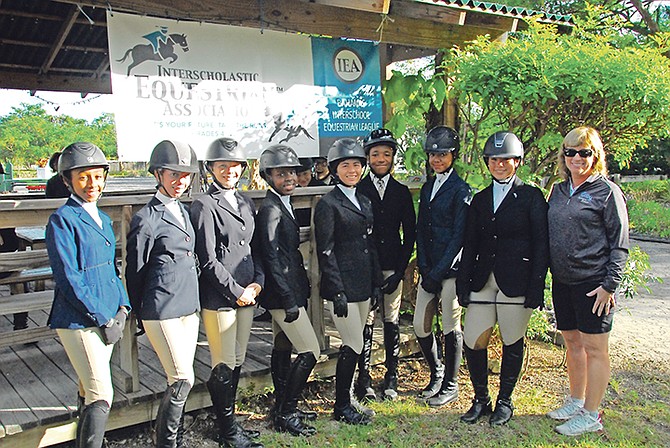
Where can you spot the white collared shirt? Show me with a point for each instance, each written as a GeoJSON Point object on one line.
{"type": "Point", "coordinates": [440, 179]}
{"type": "Point", "coordinates": [229, 196]}
{"type": "Point", "coordinates": [91, 208]}
{"type": "Point", "coordinates": [500, 191]}
{"type": "Point", "coordinates": [380, 184]}
{"type": "Point", "coordinates": [350, 193]}
{"type": "Point", "coordinates": [286, 201]}
{"type": "Point", "coordinates": [172, 205]}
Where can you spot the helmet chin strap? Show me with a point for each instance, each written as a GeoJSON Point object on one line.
{"type": "Point", "coordinates": [503, 181]}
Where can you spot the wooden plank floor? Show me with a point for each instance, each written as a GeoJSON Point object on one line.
{"type": "Point", "coordinates": [38, 386]}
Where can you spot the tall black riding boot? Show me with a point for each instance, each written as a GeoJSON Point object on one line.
{"type": "Point", "coordinates": [363, 389]}
{"type": "Point", "coordinates": [512, 361]}
{"type": "Point", "coordinates": [280, 368]}
{"type": "Point", "coordinates": [91, 426]}
{"type": "Point", "coordinates": [288, 419]}
{"type": "Point", "coordinates": [392, 349]}
{"type": "Point", "coordinates": [222, 390]}
{"type": "Point", "coordinates": [170, 412]}
{"type": "Point", "coordinates": [453, 353]}
{"type": "Point", "coordinates": [479, 375]}
{"type": "Point", "coordinates": [236, 381]}
{"type": "Point", "coordinates": [344, 375]}
{"type": "Point", "coordinates": [429, 349]}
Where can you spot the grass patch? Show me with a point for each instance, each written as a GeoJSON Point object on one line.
{"type": "Point", "coordinates": [636, 411]}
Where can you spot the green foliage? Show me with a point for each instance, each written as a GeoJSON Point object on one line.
{"type": "Point", "coordinates": [649, 218]}
{"type": "Point", "coordinates": [653, 159]}
{"type": "Point", "coordinates": [540, 85]}
{"type": "Point", "coordinates": [649, 190]}
{"type": "Point", "coordinates": [635, 274]}
{"type": "Point", "coordinates": [410, 98]}
{"type": "Point", "coordinates": [28, 134]}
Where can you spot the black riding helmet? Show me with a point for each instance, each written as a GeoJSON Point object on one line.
{"type": "Point", "coordinates": [277, 156]}
{"type": "Point", "coordinates": [173, 155]}
{"type": "Point", "coordinates": [342, 149]}
{"type": "Point", "coordinates": [80, 155]}
{"type": "Point", "coordinates": [503, 145]}
{"type": "Point", "coordinates": [306, 164]}
{"type": "Point", "coordinates": [225, 149]}
{"type": "Point", "coordinates": [378, 137]}
{"type": "Point", "coordinates": [442, 139]}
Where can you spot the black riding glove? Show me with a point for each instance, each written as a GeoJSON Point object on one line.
{"type": "Point", "coordinates": [340, 305]}
{"type": "Point", "coordinates": [464, 298]}
{"type": "Point", "coordinates": [292, 314]}
{"type": "Point", "coordinates": [430, 285]}
{"type": "Point", "coordinates": [534, 300]}
{"type": "Point", "coordinates": [112, 331]}
{"type": "Point", "coordinates": [376, 299]}
{"type": "Point", "coordinates": [391, 283]}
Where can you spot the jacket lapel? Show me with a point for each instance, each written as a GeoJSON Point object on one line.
{"type": "Point", "coordinates": [88, 219]}
{"type": "Point", "coordinates": [510, 196]}
{"type": "Point", "coordinates": [278, 202]}
{"type": "Point", "coordinates": [446, 186]}
{"type": "Point", "coordinates": [346, 203]}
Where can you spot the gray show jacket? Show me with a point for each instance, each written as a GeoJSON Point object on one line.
{"type": "Point", "coordinates": [588, 233]}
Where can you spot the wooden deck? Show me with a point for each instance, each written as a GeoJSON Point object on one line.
{"type": "Point", "coordinates": [38, 386]}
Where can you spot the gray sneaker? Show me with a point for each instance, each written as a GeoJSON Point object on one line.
{"type": "Point", "coordinates": [360, 407]}
{"type": "Point", "coordinates": [570, 408]}
{"type": "Point", "coordinates": [581, 423]}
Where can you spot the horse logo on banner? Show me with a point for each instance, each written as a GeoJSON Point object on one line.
{"type": "Point", "coordinates": [160, 47]}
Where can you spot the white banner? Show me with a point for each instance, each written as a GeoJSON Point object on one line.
{"type": "Point", "coordinates": [197, 82]}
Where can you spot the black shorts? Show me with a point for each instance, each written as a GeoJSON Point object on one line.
{"type": "Point", "coordinates": [574, 309]}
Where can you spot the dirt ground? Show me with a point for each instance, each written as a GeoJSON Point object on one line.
{"type": "Point", "coordinates": [641, 324]}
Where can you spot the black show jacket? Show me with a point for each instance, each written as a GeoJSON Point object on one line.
{"type": "Point", "coordinates": [276, 244]}
{"type": "Point", "coordinates": [392, 213]}
{"type": "Point", "coordinates": [223, 245]}
{"type": "Point", "coordinates": [345, 248]}
{"type": "Point", "coordinates": [512, 243]}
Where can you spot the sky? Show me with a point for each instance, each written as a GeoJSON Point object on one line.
{"type": "Point", "coordinates": [57, 103]}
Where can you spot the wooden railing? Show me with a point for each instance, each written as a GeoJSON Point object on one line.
{"type": "Point", "coordinates": [33, 265]}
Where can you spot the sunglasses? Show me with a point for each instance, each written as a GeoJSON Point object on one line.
{"type": "Point", "coordinates": [583, 153]}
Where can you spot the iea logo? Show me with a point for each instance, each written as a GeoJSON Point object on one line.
{"type": "Point", "coordinates": [348, 65]}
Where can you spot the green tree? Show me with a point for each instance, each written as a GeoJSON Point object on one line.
{"type": "Point", "coordinates": [540, 84]}
{"type": "Point", "coordinates": [28, 133]}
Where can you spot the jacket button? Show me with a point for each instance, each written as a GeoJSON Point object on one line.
{"type": "Point", "coordinates": [242, 243]}
{"type": "Point", "coordinates": [493, 219]}
{"type": "Point", "coordinates": [107, 243]}
{"type": "Point", "coordinates": [243, 228]}
{"type": "Point", "coordinates": [366, 251]}
{"type": "Point", "coordinates": [188, 238]}
{"type": "Point", "coordinates": [382, 241]}
{"type": "Point", "coordinates": [245, 258]}
{"type": "Point", "coordinates": [495, 237]}
{"type": "Point", "coordinates": [189, 253]}
{"type": "Point", "coordinates": [365, 237]}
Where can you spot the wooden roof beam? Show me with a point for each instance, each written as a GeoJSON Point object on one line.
{"type": "Point", "coordinates": [60, 39]}
{"type": "Point", "coordinates": [14, 80]}
{"type": "Point", "coordinates": [319, 19]}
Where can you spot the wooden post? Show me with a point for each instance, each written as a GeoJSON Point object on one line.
{"type": "Point", "coordinates": [315, 306]}
{"type": "Point", "coordinates": [126, 348]}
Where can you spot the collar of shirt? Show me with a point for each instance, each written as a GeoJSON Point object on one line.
{"type": "Point", "coordinates": [500, 191]}
{"type": "Point", "coordinates": [384, 180]}
{"type": "Point", "coordinates": [229, 196]}
{"type": "Point", "coordinates": [440, 178]}
{"type": "Point", "coordinates": [91, 208]}
{"type": "Point", "coordinates": [589, 179]}
{"type": "Point", "coordinates": [285, 200]}
{"type": "Point", "coordinates": [172, 205]}
{"type": "Point", "coordinates": [350, 193]}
